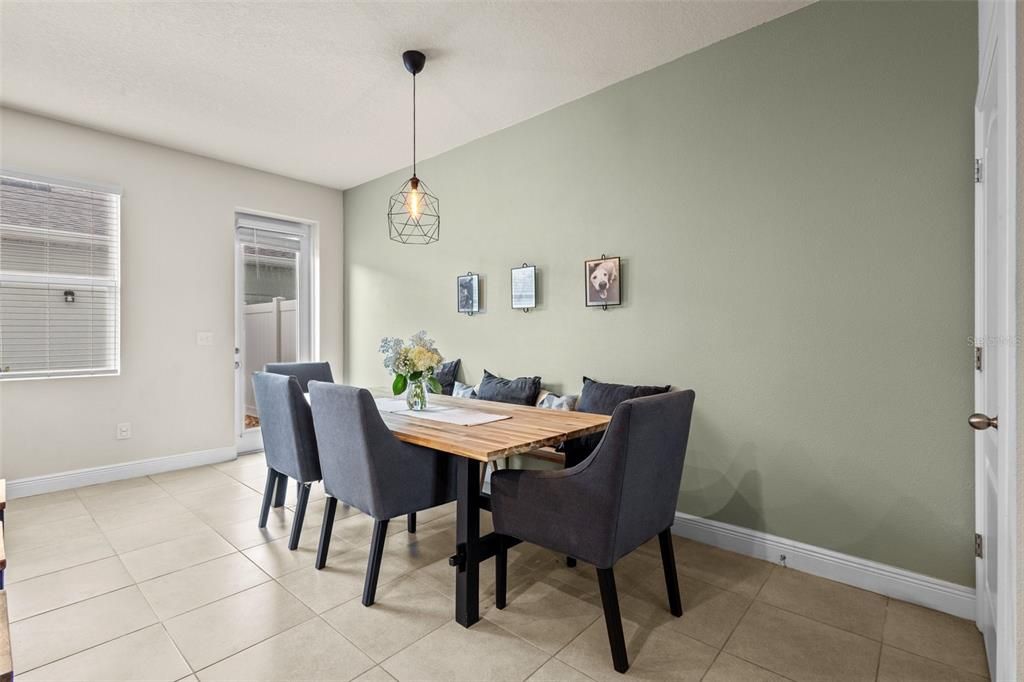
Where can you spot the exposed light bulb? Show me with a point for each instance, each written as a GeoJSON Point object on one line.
{"type": "Point", "coordinates": [414, 199]}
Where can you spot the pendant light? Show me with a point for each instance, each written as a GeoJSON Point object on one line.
{"type": "Point", "coordinates": [413, 214]}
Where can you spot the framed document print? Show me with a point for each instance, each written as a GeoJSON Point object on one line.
{"type": "Point", "coordinates": [524, 287]}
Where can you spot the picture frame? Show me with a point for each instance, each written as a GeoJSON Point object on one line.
{"type": "Point", "coordinates": [467, 293]}
{"type": "Point", "coordinates": [603, 282]}
{"type": "Point", "coordinates": [524, 287]}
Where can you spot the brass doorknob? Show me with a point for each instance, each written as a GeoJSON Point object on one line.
{"type": "Point", "coordinates": [980, 422]}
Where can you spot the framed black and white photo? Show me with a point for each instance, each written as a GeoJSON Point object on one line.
{"type": "Point", "coordinates": [524, 287]}
{"type": "Point", "coordinates": [604, 283]}
{"type": "Point", "coordinates": [469, 293]}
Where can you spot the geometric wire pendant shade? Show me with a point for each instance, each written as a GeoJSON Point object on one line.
{"type": "Point", "coordinates": [414, 215]}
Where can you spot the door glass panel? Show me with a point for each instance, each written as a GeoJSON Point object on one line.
{"type": "Point", "coordinates": [270, 305]}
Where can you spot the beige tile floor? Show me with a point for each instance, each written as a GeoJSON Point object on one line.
{"type": "Point", "coordinates": [168, 578]}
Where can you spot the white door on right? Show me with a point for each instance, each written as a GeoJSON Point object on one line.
{"type": "Point", "coordinates": [995, 337]}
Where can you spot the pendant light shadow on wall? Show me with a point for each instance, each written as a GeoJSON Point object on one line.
{"type": "Point", "coordinates": [413, 212]}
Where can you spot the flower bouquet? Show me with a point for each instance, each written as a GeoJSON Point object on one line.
{"type": "Point", "coordinates": [413, 364]}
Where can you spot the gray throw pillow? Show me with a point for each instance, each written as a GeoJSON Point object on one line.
{"type": "Point", "coordinates": [601, 398]}
{"type": "Point", "coordinates": [521, 391]}
{"type": "Point", "coordinates": [445, 375]}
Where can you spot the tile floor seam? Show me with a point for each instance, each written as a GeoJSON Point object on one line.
{"type": "Point", "coordinates": [534, 671]}
{"type": "Point", "coordinates": [734, 627]}
{"type": "Point", "coordinates": [196, 671]}
{"type": "Point", "coordinates": [79, 601]}
{"type": "Point", "coordinates": [366, 653]}
{"type": "Point", "coordinates": [220, 599]}
{"type": "Point", "coordinates": [388, 658]}
{"type": "Point", "coordinates": [810, 617]}
{"type": "Point", "coordinates": [181, 653]}
{"type": "Point", "coordinates": [885, 617]}
{"type": "Point", "coordinates": [93, 646]}
{"type": "Point", "coordinates": [935, 660]}
{"type": "Point", "coordinates": [185, 568]}
{"type": "Point", "coordinates": [713, 661]}
{"type": "Point", "coordinates": [165, 575]}
{"type": "Point", "coordinates": [342, 635]}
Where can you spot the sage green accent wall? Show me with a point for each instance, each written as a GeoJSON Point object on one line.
{"type": "Point", "coordinates": [794, 208]}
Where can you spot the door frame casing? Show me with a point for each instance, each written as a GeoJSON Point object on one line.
{"type": "Point", "coordinates": [997, 40]}
{"type": "Point", "coordinates": [252, 441]}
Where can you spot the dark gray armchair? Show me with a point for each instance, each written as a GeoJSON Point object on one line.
{"type": "Point", "coordinates": [618, 498]}
{"type": "Point", "coordinates": [289, 444]}
{"type": "Point", "coordinates": [366, 466]}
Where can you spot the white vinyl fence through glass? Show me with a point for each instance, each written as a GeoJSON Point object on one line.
{"type": "Point", "coordinates": [59, 279]}
{"type": "Point", "coordinates": [270, 315]}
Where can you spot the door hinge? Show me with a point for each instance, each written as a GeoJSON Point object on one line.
{"type": "Point", "coordinates": [977, 170]}
{"type": "Point", "coordinates": [978, 546]}
{"type": "Point", "coordinates": [977, 357]}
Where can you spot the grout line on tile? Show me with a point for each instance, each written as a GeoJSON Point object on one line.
{"type": "Point", "coordinates": [77, 601]}
{"type": "Point", "coordinates": [74, 653]}
{"type": "Point", "coordinates": [196, 671]}
{"type": "Point", "coordinates": [176, 648]}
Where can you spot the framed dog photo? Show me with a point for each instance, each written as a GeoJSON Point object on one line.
{"type": "Point", "coordinates": [468, 288]}
{"type": "Point", "coordinates": [604, 285]}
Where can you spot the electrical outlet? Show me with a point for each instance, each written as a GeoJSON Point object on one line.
{"type": "Point", "coordinates": [204, 338]}
{"type": "Point", "coordinates": [124, 430]}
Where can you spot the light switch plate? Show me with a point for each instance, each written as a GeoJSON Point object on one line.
{"type": "Point", "coordinates": [204, 338]}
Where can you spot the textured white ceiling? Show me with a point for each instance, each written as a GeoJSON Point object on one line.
{"type": "Point", "coordinates": [317, 91]}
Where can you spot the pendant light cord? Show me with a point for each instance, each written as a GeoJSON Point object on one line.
{"type": "Point", "coordinates": [414, 125]}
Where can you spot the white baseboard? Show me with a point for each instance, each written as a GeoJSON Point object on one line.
{"type": "Point", "coordinates": [868, 575]}
{"type": "Point", "coordinates": [48, 483]}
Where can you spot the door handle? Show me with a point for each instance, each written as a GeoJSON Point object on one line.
{"type": "Point", "coordinates": [980, 422]}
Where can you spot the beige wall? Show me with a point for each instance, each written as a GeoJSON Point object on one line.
{"type": "Point", "coordinates": [178, 278]}
{"type": "Point", "coordinates": [794, 210]}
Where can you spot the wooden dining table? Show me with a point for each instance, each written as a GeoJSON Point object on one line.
{"type": "Point", "coordinates": [524, 429]}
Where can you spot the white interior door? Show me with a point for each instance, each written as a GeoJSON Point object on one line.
{"type": "Point", "coordinates": [995, 332]}
{"type": "Point", "coordinates": [274, 308]}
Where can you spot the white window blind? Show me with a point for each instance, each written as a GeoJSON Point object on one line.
{"type": "Point", "coordinates": [59, 279]}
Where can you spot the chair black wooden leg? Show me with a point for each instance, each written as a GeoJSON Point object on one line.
{"type": "Point", "coordinates": [613, 619]}
{"type": "Point", "coordinates": [325, 532]}
{"type": "Point", "coordinates": [501, 577]}
{"type": "Point", "coordinates": [380, 533]}
{"type": "Point", "coordinates": [412, 522]}
{"type": "Point", "coordinates": [268, 494]}
{"type": "Point", "coordinates": [282, 490]}
{"type": "Point", "coordinates": [668, 562]}
{"type": "Point", "coordinates": [300, 514]}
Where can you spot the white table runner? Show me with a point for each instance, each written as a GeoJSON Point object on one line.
{"type": "Point", "coordinates": [439, 413]}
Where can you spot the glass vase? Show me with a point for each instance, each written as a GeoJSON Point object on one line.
{"type": "Point", "coordinates": [416, 395]}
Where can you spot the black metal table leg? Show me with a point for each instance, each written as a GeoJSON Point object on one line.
{"type": "Point", "coordinates": [467, 539]}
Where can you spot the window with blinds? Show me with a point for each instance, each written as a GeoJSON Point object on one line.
{"type": "Point", "coordinates": [59, 279]}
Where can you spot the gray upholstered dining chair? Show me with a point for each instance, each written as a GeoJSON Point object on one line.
{"type": "Point", "coordinates": [303, 371]}
{"type": "Point", "coordinates": [289, 444]}
{"type": "Point", "coordinates": [618, 498]}
{"type": "Point", "coordinates": [367, 467]}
